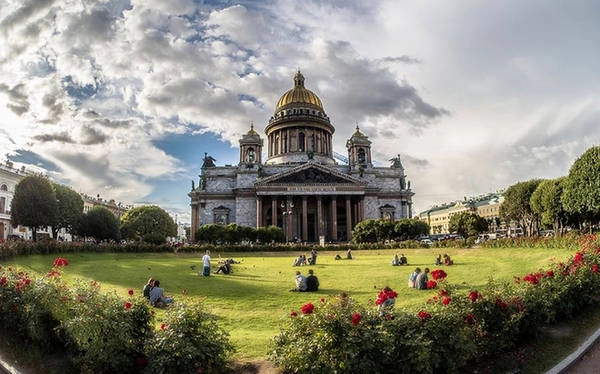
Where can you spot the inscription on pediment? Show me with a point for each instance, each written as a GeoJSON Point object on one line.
{"type": "Point", "coordinates": [311, 176]}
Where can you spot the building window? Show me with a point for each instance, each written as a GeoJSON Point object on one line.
{"type": "Point", "coordinates": [221, 215]}
{"type": "Point", "coordinates": [301, 142]}
{"type": "Point", "coordinates": [2, 205]}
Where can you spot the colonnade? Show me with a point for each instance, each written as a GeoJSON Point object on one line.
{"type": "Point", "coordinates": [310, 217]}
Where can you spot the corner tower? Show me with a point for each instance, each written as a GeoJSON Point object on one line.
{"type": "Point", "coordinates": [299, 130]}
{"type": "Point", "coordinates": [251, 148]}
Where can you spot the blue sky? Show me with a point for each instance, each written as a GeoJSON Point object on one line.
{"type": "Point", "coordinates": [122, 98]}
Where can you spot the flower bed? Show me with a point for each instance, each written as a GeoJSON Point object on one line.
{"type": "Point", "coordinates": [105, 332]}
{"type": "Point", "coordinates": [451, 329]}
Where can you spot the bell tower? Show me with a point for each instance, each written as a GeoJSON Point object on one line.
{"type": "Point", "coordinates": [251, 148]}
{"type": "Point", "coordinates": [359, 151]}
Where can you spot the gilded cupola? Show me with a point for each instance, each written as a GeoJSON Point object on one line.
{"type": "Point", "coordinates": [299, 96]}
{"type": "Point", "coordinates": [299, 129]}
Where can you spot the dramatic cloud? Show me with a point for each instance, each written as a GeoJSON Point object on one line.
{"type": "Point", "coordinates": [91, 88]}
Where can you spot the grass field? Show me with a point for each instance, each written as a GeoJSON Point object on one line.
{"type": "Point", "coordinates": [253, 300]}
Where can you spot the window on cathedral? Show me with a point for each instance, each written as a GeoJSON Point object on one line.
{"type": "Point", "coordinates": [3, 188]}
{"type": "Point", "coordinates": [301, 142]}
{"type": "Point", "coordinates": [2, 205]}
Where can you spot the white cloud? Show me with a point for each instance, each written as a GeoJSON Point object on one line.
{"type": "Point", "coordinates": [474, 96]}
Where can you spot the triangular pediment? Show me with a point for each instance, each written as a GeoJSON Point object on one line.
{"type": "Point", "coordinates": [310, 173]}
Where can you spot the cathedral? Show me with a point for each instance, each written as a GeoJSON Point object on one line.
{"type": "Point", "coordinates": [302, 186]}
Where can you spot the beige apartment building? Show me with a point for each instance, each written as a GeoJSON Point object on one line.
{"type": "Point", "coordinates": [486, 206]}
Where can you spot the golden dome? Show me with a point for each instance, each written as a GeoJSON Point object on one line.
{"type": "Point", "coordinates": [299, 96]}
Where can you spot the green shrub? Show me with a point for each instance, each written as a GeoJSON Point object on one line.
{"type": "Point", "coordinates": [105, 333]}
{"type": "Point", "coordinates": [335, 335]}
{"type": "Point", "coordinates": [450, 330]}
{"type": "Point", "coordinates": [188, 341]}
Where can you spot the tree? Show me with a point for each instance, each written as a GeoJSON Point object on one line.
{"type": "Point", "coordinates": [582, 189]}
{"type": "Point", "coordinates": [467, 224]}
{"type": "Point", "coordinates": [411, 228]}
{"type": "Point", "coordinates": [33, 204]}
{"type": "Point", "coordinates": [100, 224]}
{"type": "Point", "coordinates": [149, 223]}
{"type": "Point", "coordinates": [546, 202]}
{"type": "Point", "coordinates": [516, 205]}
{"type": "Point", "coordinates": [365, 231]}
{"type": "Point", "coordinates": [69, 209]}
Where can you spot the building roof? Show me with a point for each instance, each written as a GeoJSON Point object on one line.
{"type": "Point", "coordinates": [299, 96]}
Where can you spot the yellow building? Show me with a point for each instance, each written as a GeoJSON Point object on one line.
{"type": "Point", "coordinates": [486, 206]}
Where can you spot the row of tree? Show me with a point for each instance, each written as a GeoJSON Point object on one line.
{"type": "Point", "coordinates": [381, 230]}
{"type": "Point", "coordinates": [38, 203]}
{"type": "Point", "coordinates": [234, 233]}
{"type": "Point", "coordinates": [568, 201]}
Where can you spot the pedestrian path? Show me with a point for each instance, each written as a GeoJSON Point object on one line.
{"type": "Point", "coordinates": [572, 360]}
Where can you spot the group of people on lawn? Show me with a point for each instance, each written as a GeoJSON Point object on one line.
{"type": "Point", "coordinates": [385, 301]}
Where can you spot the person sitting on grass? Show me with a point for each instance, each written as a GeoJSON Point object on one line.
{"type": "Point", "coordinates": [349, 254]}
{"type": "Point", "coordinates": [403, 260]}
{"type": "Point", "coordinates": [224, 267]}
{"type": "Point", "coordinates": [438, 260]}
{"type": "Point", "coordinates": [421, 281]}
{"type": "Point", "coordinates": [413, 277]}
{"type": "Point", "coordinates": [300, 282]}
{"type": "Point", "coordinates": [147, 288]}
{"type": "Point", "coordinates": [447, 260]}
{"type": "Point", "coordinates": [157, 296]}
{"type": "Point", "coordinates": [396, 260]}
{"type": "Point", "coordinates": [312, 282]}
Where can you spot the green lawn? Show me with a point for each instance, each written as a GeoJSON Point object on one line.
{"type": "Point", "coordinates": [254, 299]}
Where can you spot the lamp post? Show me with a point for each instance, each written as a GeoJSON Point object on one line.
{"type": "Point", "coordinates": [287, 208]}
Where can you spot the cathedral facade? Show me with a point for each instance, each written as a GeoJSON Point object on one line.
{"type": "Point", "coordinates": [300, 186]}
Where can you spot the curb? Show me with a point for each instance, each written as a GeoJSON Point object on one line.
{"type": "Point", "coordinates": [565, 364]}
{"type": "Point", "coordinates": [5, 367]}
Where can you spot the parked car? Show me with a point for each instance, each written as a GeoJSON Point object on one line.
{"type": "Point", "coordinates": [426, 241]}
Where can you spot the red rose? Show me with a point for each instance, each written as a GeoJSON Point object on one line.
{"type": "Point", "coordinates": [595, 268]}
{"type": "Point", "coordinates": [294, 314]}
{"type": "Point", "coordinates": [130, 292]}
{"type": "Point", "coordinates": [127, 305]}
{"type": "Point", "coordinates": [438, 274]}
{"type": "Point", "coordinates": [59, 261]}
{"type": "Point", "coordinates": [431, 284]}
{"type": "Point", "coordinates": [3, 281]}
{"type": "Point", "coordinates": [307, 308]}
{"type": "Point", "coordinates": [323, 300]}
{"type": "Point", "coordinates": [474, 295]}
{"type": "Point", "coordinates": [163, 326]}
{"type": "Point", "coordinates": [356, 318]}
{"type": "Point", "coordinates": [424, 316]}
{"type": "Point", "coordinates": [446, 300]}
{"type": "Point", "coordinates": [469, 319]}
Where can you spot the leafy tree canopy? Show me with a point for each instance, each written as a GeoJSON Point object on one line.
{"type": "Point", "coordinates": [516, 205]}
{"type": "Point", "coordinates": [100, 224]}
{"type": "Point", "coordinates": [149, 223]}
{"type": "Point", "coordinates": [582, 189]}
{"type": "Point", "coordinates": [34, 203]}
{"type": "Point", "coordinates": [467, 224]}
{"type": "Point", "coordinates": [69, 209]}
{"type": "Point", "coordinates": [411, 228]}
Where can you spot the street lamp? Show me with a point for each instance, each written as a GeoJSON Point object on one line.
{"type": "Point", "coordinates": [287, 210]}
